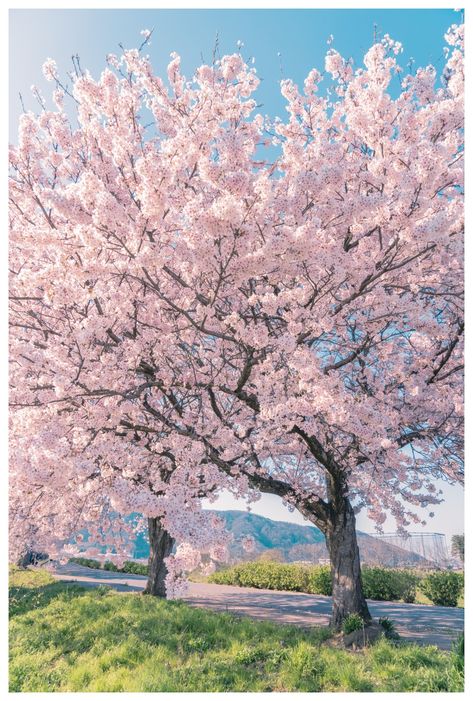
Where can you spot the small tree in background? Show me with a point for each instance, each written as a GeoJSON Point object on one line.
{"type": "Point", "coordinates": [271, 555]}
{"type": "Point", "coordinates": [458, 546]}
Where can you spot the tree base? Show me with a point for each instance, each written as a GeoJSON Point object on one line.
{"type": "Point", "coordinates": [368, 635]}
{"type": "Point", "coordinates": [160, 547]}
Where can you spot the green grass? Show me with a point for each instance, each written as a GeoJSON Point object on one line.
{"type": "Point", "coordinates": [66, 638]}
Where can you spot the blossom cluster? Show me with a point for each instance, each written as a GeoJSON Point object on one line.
{"type": "Point", "coordinates": [188, 316]}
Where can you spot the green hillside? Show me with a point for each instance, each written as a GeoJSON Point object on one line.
{"type": "Point", "coordinates": [268, 534]}
{"type": "Point", "coordinates": [294, 543]}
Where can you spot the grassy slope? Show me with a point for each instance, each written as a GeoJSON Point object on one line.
{"type": "Point", "coordinates": [66, 638]}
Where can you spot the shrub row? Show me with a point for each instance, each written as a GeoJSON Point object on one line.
{"type": "Point", "coordinates": [87, 562]}
{"type": "Point", "coordinates": [274, 575]}
{"type": "Point", "coordinates": [379, 583]}
{"type": "Point", "coordinates": [129, 567]}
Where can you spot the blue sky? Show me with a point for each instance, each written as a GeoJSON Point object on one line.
{"type": "Point", "coordinates": [299, 36]}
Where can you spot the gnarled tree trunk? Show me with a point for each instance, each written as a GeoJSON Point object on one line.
{"type": "Point", "coordinates": [342, 545]}
{"type": "Point", "coordinates": [160, 546]}
{"type": "Point", "coordinates": [336, 519]}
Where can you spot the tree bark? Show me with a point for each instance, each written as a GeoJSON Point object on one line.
{"type": "Point", "coordinates": [31, 557]}
{"type": "Point", "coordinates": [342, 545]}
{"type": "Point", "coordinates": [160, 546]}
{"type": "Point", "coordinates": [336, 519]}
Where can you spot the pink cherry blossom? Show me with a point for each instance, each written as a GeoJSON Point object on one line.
{"type": "Point", "coordinates": [189, 316]}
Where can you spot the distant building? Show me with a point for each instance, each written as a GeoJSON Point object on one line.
{"type": "Point", "coordinates": [304, 563]}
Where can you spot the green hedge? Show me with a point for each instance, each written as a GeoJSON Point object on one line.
{"type": "Point", "coordinates": [87, 562]}
{"type": "Point", "coordinates": [129, 567]}
{"type": "Point", "coordinates": [384, 584]}
{"type": "Point", "coordinates": [274, 575]}
{"type": "Point", "coordinates": [443, 588]}
{"type": "Point", "coordinates": [379, 583]}
{"type": "Point", "coordinates": [319, 580]}
{"type": "Point", "coordinates": [265, 575]}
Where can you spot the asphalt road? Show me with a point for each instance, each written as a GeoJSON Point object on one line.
{"type": "Point", "coordinates": [429, 625]}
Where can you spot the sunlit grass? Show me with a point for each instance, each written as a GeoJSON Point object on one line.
{"type": "Point", "coordinates": [66, 638]}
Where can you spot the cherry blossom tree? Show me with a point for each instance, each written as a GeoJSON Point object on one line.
{"type": "Point", "coordinates": [189, 315]}
{"type": "Point", "coordinates": [57, 492]}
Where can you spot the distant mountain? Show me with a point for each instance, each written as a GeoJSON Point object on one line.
{"type": "Point", "coordinates": [290, 542]}
{"type": "Point", "coordinates": [268, 534]}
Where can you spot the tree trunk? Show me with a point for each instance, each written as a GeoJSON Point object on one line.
{"type": "Point", "coordinates": [160, 546]}
{"type": "Point", "coordinates": [347, 593]}
{"type": "Point", "coordinates": [31, 557]}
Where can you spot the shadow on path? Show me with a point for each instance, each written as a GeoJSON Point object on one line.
{"type": "Point", "coordinates": [430, 625]}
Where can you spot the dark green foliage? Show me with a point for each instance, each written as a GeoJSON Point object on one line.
{"type": "Point", "coordinates": [135, 568]}
{"type": "Point", "coordinates": [352, 622]}
{"type": "Point", "coordinates": [227, 575]}
{"type": "Point", "coordinates": [384, 584]}
{"type": "Point", "coordinates": [319, 580]}
{"type": "Point", "coordinates": [389, 628]}
{"type": "Point", "coordinates": [443, 588]}
{"type": "Point", "coordinates": [87, 562]}
{"type": "Point", "coordinates": [409, 581]}
{"type": "Point", "coordinates": [110, 567]}
{"type": "Point", "coordinates": [264, 575]}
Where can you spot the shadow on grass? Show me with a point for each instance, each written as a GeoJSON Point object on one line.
{"type": "Point", "coordinates": [25, 599]}
{"type": "Point", "coordinates": [71, 638]}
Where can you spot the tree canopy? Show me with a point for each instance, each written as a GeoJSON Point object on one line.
{"type": "Point", "coordinates": [191, 314]}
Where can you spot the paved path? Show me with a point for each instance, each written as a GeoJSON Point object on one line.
{"type": "Point", "coordinates": [437, 625]}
